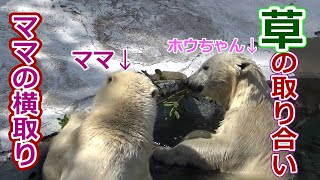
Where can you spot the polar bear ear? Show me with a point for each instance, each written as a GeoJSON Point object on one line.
{"type": "Point", "coordinates": [244, 67]}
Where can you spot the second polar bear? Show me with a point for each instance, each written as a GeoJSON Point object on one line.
{"type": "Point", "coordinates": [114, 140]}
{"type": "Point", "coordinates": [241, 144]}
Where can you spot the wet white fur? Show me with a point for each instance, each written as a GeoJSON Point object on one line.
{"type": "Point", "coordinates": [114, 140]}
{"type": "Point", "coordinates": [241, 144]}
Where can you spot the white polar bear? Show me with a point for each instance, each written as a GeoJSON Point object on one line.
{"type": "Point", "coordinates": [112, 142]}
{"type": "Point", "coordinates": [241, 144]}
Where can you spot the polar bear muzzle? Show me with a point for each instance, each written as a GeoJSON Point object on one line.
{"type": "Point", "coordinates": [193, 86]}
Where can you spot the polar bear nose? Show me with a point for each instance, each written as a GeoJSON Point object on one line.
{"type": "Point", "coordinates": [193, 86]}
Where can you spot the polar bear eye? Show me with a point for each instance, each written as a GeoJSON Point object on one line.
{"type": "Point", "coordinates": [205, 68]}
{"type": "Point", "coordinates": [109, 80]}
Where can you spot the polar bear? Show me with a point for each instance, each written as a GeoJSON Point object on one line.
{"type": "Point", "coordinates": [114, 140]}
{"type": "Point", "coordinates": [241, 144]}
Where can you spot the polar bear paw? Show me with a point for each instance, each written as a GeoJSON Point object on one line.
{"type": "Point", "coordinates": [169, 156]}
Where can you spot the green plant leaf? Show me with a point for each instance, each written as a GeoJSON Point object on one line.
{"type": "Point", "coordinates": [175, 103]}
{"type": "Point", "coordinates": [162, 77]}
{"type": "Point", "coordinates": [177, 115]}
{"type": "Point", "coordinates": [145, 73]}
{"type": "Point", "coordinates": [167, 104]}
{"type": "Point", "coordinates": [171, 111]}
{"type": "Point", "coordinates": [158, 72]}
{"type": "Point", "coordinates": [63, 121]}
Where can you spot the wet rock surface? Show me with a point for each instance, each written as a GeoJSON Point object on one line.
{"type": "Point", "coordinates": [8, 169]}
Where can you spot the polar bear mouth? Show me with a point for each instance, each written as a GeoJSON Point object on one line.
{"type": "Point", "coordinates": [194, 87]}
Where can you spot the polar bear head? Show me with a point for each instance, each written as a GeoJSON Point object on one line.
{"type": "Point", "coordinates": [127, 90]}
{"type": "Point", "coordinates": [218, 77]}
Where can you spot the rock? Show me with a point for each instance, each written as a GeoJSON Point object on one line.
{"type": "Point", "coordinates": [196, 113]}
{"type": "Point", "coordinates": [309, 63]}
{"type": "Point", "coordinates": [9, 171]}
{"type": "Point", "coordinates": [309, 93]}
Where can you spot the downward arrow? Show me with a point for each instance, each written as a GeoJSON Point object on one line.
{"type": "Point", "coordinates": [252, 49]}
{"type": "Point", "coordinates": [125, 65]}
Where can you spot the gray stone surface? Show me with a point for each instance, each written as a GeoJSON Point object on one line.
{"type": "Point", "coordinates": [309, 63]}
